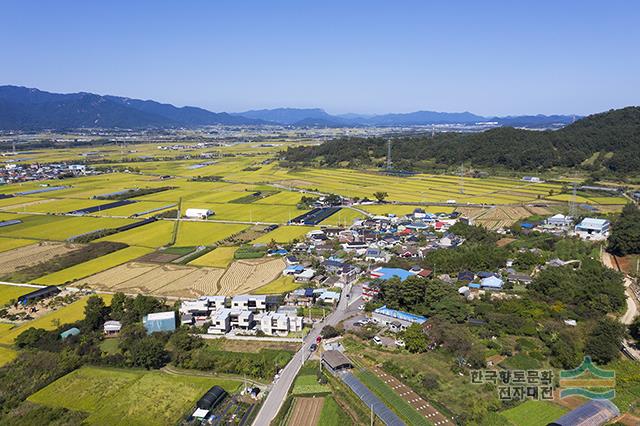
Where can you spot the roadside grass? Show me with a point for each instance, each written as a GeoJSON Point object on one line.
{"type": "Point", "coordinates": [389, 396]}
{"type": "Point", "coordinates": [280, 285]}
{"type": "Point", "coordinates": [65, 315]}
{"type": "Point", "coordinates": [93, 266]}
{"type": "Point", "coordinates": [12, 292]}
{"type": "Point", "coordinates": [128, 397]}
{"type": "Point", "coordinates": [533, 413]}
{"type": "Point", "coordinates": [220, 257]}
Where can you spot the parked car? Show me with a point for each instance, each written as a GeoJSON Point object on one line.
{"type": "Point", "coordinates": [377, 340]}
{"type": "Point", "coordinates": [400, 343]}
{"type": "Point", "coordinates": [313, 347]}
{"type": "Point", "coordinates": [358, 323]}
{"type": "Point", "coordinates": [361, 307]}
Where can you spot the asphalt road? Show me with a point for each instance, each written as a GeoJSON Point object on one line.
{"type": "Point", "coordinates": [276, 396]}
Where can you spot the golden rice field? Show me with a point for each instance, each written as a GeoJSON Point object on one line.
{"type": "Point", "coordinates": [220, 257]}
{"type": "Point", "coordinates": [50, 321]}
{"type": "Point", "coordinates": [285, 234]}
{"type": "Point", "coordinates": [204, 234]}
{"type": "Point", "coordinates": [59, 228]}
{"type": "Point", "coordinates": [11, 292]}
{"type": "Point", "coordinates": [7, 244]}
{"type": "Point", "coordinates": [281, 285]}
{"type": "Point", "coordinates": [153, 235]}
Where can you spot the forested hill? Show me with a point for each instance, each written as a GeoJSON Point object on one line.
{"type": "Point", "coordinates": [609, 140]}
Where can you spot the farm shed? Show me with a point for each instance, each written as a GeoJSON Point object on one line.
{"type": "Point", "coordinates": [336, 361]}
{"type": "Point", "coordinates": [112, 327]}
{"type": "Point", "coordinates": [591, 225]}
{"type": "Point", "coordinates": [491, 282]}
{"type": "Point", "coordinates": [40, 293]}
{"type": "Point", "coordinates": [596, 412]}
{"type": "Point", "coordinates": [160, 321]}
{"type": "Point", "coordinates": [73, 331]}
{"type": "Point", "coordinates": [198, 213]}
{"type": "Point", "coordinates": [387, 316]}
{"type": "Point", "coordinates": [212, 398]}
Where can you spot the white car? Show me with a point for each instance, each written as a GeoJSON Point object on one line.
{"type": "Point", "coordinates": [377, 340]}
{"type": "Point", "coordinates": [361, 307]}
{"type": "Point", "coordinates": [400, 343]}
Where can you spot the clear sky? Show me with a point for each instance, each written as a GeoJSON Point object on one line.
{"type": "Point", "coordinates": [488, 57]}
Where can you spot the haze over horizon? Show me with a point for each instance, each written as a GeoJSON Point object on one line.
{"type": "Point", "coordinates": [360, 57]}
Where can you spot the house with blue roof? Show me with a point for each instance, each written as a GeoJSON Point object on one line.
{"type": "Point", "coordinates": [491, 282]}
{"type": "Point", "coordinates": [293, 270]}
{"type": "Point", "coordinates": [396, 320]}
{"type": "Point", "coordinates": [388, 273]}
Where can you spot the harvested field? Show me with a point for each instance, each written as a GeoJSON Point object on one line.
{"type": "Point", "coordinates": [159, 257]}
{"type": "Point", "coordinates": [200, 282]}
{"type": "Point", "coordinates": [495, 217]}
{"type": "Point", "coordinates": [306, 412]}
{"type": "Point", "coordinates": [161, 280]}
{"type": "Point", "coordinates": [12, 260]}
{"type": "Point", "coordinates": [243, 276]}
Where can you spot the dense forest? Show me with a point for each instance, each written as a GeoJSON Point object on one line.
{"type": "Point", "coordinates": [609, 141]}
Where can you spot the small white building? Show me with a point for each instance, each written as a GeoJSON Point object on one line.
{"type": "Point", "coordinates": [215, 302]}
{"type": "Point", "coordinates": [249, 302]}
{"type": "Point", "coordinates": [220, 321]}
{"type": "Point", "coordinates": [195, 308]}
{"type": "Point", "coordinates": [112, 327]}
{"type": "Point", "coordinates": [279, 324]}
{"type": "Point", "coordinates": [305, 276]}
{"type": "Point", "coordinates": [198, 213]}
{"type": "Point", "coordinates": [560, 221]}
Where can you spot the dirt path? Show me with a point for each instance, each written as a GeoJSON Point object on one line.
{"type": "Point", "coordinates": [405, 392]}
{"type": "Point", "coordinates": [306, 412]}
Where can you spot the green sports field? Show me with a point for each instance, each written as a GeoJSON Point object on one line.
{"type": "Point", "coordinates": [128, 397]}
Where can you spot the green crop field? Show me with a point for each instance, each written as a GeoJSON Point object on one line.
{"type": "Point", "coordinates": [344, 217]}
{"type": "Point", "coordinates": [12, 243]}
{"type": "Point", "coordinates": [306, 382]}
{"type": "Point", "coordinates": [332, 414]}
{"type": "Point", "coordinates": [253, 212]}
{"type": "Point", "coordinates": [284, 197]}
{"type": "Point", "coordinates": [58, 227]}
{"type": "Point", "coordinates": [534, 413]}
{"type": "Point", "coordinates": [282, 284]}
{"type": "Point", "coordinates": [67, 314]}
{"type": "Point", "coordinates": [153, 235]}
{"type": "Point", "coordinates": [391, 398]}
{"type": "Point", "coordinates": [64, 205]}
{"type": "Point", "coordinates": [284, 234]}
{"type": "Point", "coordinates": [128, 397]}
{"type": "Point", "coordinates": [220, 257]}
{"type": "Point", "coordinates": [6, 355]}
{"type": "Point", "coordinates": [93, 266]}
{"type": "Point", "coordinates": [12, 292]}
{"type": "Point", "coordinates": [204, 234]}
{"type": "Point", "coordinates": [400, 210]}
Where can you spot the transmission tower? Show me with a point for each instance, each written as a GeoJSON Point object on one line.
{"type": "Point", "coordinates": [389, 154]}
{"type": "Point", "coordinates": [462, 178]}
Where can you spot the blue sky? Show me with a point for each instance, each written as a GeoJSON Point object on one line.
{"type": "Point", "coordinates": [488, 57]}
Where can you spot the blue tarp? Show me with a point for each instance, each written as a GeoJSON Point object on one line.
{"type": "Point", "coordinates": [387, 273]}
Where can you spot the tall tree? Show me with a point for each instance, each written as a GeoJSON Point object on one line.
{"type": "Point", "coordinates": [625, 232]}
{"type": "Point", "coordinates": [605, 340]}
{"type": "Point", "coordinates": [95, 312]}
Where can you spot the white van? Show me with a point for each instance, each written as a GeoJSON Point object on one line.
{"type": "Point", "coordinates": [377, 340]}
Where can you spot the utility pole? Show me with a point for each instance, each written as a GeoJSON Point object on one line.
{"type": "Point", "coordinates": [572, 203]}
{"type": "Point", "coordinates": [462, 178]}
{"type": "Point", "coordinates": [389, 155]}
{"type": "Point", "coordinates": [371, 414]}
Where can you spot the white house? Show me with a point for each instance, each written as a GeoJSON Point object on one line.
{"type": "Point", "coordinates": [112, 327]}
{"type": "Point", "coordinates": [198, 213]}
{"type": "Point", "coordinates": [220, 321]}
{"type": "Point", "coordinates": [279, 324]}
{"type": "Point", "coordinates": [249, 302]}
{"type": "Point", "coordinates": [560, 221]}
{"type": "Point", "coordinates": [215, 302]}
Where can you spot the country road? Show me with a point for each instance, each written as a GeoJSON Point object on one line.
{"type": "Point", "coordinates": [278, 393]}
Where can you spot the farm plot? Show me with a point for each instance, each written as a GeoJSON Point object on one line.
{"type": "Point", "coordinates": [161, 280]}
{"type": "Point", "coordinates": [501, 217]}
{"type": "Point", "coordinates": [134, 208]}
{"type": "Point", "coordinates": [344, 217]}
{"type": "Point", "coordinates": [284, 197]}
{"type": "Point", "coordinates": [220, 257]}
{"type": "Point", "coordinates": [282, 284]}
{"type": "Point", "coordinates": [128, 397]}
{"type": "Point", "coordinates": [93, 266]}
{"type": "Point", "coordinates": [7, 355]}
{"type": "Point", "coordinates": [11, 261]}
{"type": "Point", "coordinates": [59, 228]}
{"type": "Point", "coordinates": [534, 413]}
{"type": "Point", "coordinates": [65, 315]}
{"type": "Point", "coordinates": [12, 292]}
{"type": "Point", "coordinates": [64, 205]}
{"type": "Point", "coordinates": [243, 276]}
{"type": "Point", "coordinates": [284, 234]}
{"type": "Point", "coordinates": [401, 210]}
{"type": "Point", "coordinates": [253, 212]}
{"type": "Point", "coordinates": [306, 411]}
{"type": "Point", "coordinates": [204, 234]}
{"type": "Point", "coordinates": [154, 235]}
{"type": "Point", "coordinates": [7, 244]}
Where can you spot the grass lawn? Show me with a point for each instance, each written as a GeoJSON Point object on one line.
{"type": "Point", "coordinates": [284, 234]}
{"type": "Point", "coordinates": [110, 346]}
{"type": "Point", "coordinates": [7, 355]}
{"type": "Point", "coordinates": [306, 382]}
{"type": "Point", "coordinates": [12, 292]}
{"type": "Point", "coordinates": [128, 397]}
{"type": "Point", "coordinates": [93, 266]}
{"type": "Point", "coordinates": [332, 414]}
{"type": "Point", "coordinates": [220, 257]}
{"type": "Point", "coordinates": [282, 284]}
{"type": "Point", "coordinates": [67, 314]}
{"type": "Point", "coordinates": [12, 243]}
{"type": "Point", "coordinates": [391, 398]}
{"type": "Point", "coordinates": [533, 413]}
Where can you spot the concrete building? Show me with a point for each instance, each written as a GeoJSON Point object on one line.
{"type": "Point", "coordinates": [215, 302]}
{"type": "Point", "coordinates": [560, 221]}
{"type": "Point", "coordinates": [220, 322]}
{"type": "Point", "coordinates": [249, 302]}
{"type": "Point", "coordinates": [279, 324]}
{"type": "Point", "coordinates": [593, 228]}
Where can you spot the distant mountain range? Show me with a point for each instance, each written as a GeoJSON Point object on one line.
{"type": "Point", "coordinates": [24, 108]}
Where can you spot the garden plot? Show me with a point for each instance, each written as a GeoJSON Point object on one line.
{"type": "Point", "coordinates": [243, 276]}
{"type": "Point", "coordinates": [306, 411]}
{"type": "Point", "coordinates": [12, 260]}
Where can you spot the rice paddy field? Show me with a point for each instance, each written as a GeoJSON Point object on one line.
{"type": "Point", "coordinates": [66, 314]}
{"type": "Point", "coordinates": [284, 234]}
{"type": "Point", "coordinates": [11, 292]}
{"type": "Point", "coordinates": [220, 257]}
{"type": "Point", "coordinates": [7, 244]}
{"type": "Point", "coordinates": [7, 355]}
{"type": "Point", "coordinates": [204, 234]}
{"type": "Point", "coordinates": [128, 397]}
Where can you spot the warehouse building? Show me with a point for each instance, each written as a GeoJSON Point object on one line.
{"type": "Point", "coordinates": [596, 412]}
{"type": "Point", "coordinates": [159, 322]}
{"type": "Point", "coordinates": [38, 294]}
{"type": "Point", "coordinates": [198, 213]}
